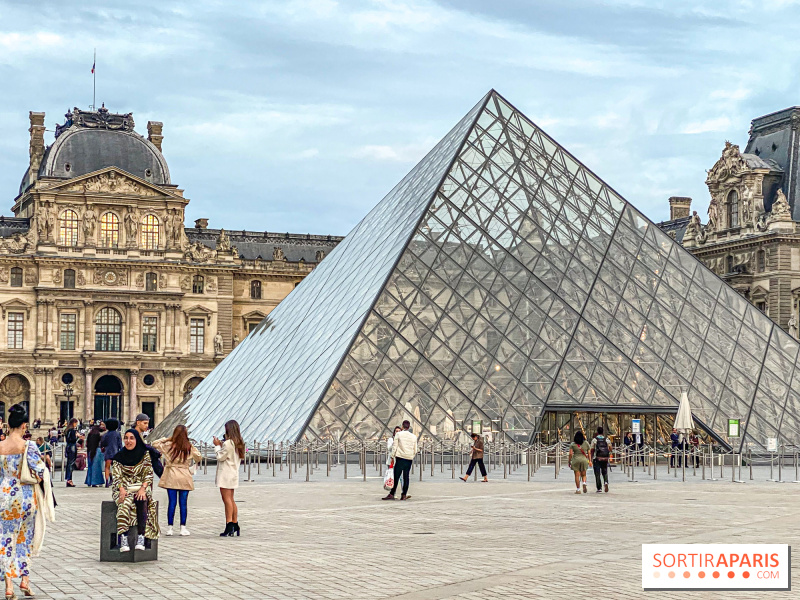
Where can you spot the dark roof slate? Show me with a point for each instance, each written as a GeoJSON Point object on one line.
{"type": "Point", "coordinates": [252, 244]}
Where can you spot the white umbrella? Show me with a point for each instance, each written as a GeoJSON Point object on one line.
{"type": "Point", "coordinates": [683, 420]}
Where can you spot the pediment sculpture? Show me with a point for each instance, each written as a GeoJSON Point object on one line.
{"type": "Point", "coordinates": [781, 211]}
{"type": "Point", "coordinates": [197, 252]}
{"type": "Point", "coordinates": [111, 183]}
{"type": "Point", "coordinates": [729, 165]}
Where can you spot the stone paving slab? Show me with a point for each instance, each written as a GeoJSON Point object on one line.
{"type": "Point", "coordinates": [334, 539]}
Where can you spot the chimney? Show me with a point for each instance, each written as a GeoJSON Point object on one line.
{"type": "Point", "coordinates": [37, 143]}
{"type": "Point", "coordinates": [154, 133]}
{"type": "Point", "coordinates": [201, 223]}
{"type": "Point", "coordinates": [679, 207]}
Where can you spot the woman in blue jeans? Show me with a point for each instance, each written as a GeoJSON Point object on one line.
{"type": "Point", "coordinates": [71, 437]}
{"type": "Point", "coordinates": [178, 454]}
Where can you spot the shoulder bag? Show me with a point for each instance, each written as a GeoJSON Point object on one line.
{"type": "Point", "coordinates": [26, 476]}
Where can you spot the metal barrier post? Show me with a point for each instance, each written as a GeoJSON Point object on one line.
{"type": "Point", "coordinates": [328, 459]}
{"type": "Point", "coordinates": [280, 458]}
{"type": "Point", "coordinates": [345, 459]}
{"type": "Point", "coordinates": [703, 467]}
{"type": "Point", "coordinates": [205, 459]}
{"type": "Point", "coordinates": [750, 455]}
{"type": "Point", "coordinates": [308, 466]}
{"type": "Point", "coordinates": [796, 478]}
{"type": "Point", "coordinates": [780, 464]}
{"type": "Point", "coordinates": [364, 450]}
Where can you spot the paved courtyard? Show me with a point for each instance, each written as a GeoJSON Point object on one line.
{"type": "Point", "coordinates": [330, 538]}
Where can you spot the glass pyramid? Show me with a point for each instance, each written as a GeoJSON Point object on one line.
{"type": "Point", "coordinates": [500, 277]}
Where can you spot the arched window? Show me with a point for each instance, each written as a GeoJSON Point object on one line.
{"type": "Point", "coordinates": [109, 230]}
{"type": "Point", "coordinates": [151, 282]}
{"type": "Point", "coordinates": [150, 231]}
{"type": "Point", "coordinates": [761, 261]}
{"type": "Point", "coordinates": [733, 209]}
{"type": "Point", "coordinates": [16, 276]}
{"type": "Point", "coordinates": [255, 289]}
{"type": "Point", "coordinates": [68, 228]}
{"type": "Point", "coordinates": [197, 284]}
{"type": "Point", "coordinates": [69, 279]}
{"type": "Point", "coordinates": [108, 331]}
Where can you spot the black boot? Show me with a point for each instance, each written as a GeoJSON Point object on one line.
{"type": "Point", "coordinates": [236, 529]}
{"type": "Point", "coordinates": [228, 530]}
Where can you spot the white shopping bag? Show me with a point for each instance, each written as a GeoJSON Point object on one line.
{"type": "Point", "coordinates": [388, 481]}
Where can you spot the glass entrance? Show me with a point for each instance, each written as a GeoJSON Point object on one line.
{"type": "Point", "coordinates": [108, 398]}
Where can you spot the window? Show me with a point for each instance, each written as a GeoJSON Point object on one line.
{"type": "Point", "coordinates": [762, 306]}
{"type": "Point", "coordinates": [252, 325]}
{"type": "Point", "coordinates": [16, 276]}
{"type": "Point", "coordinates": [149, 334]}
{"type": "Point", "coordinates": [197, 284]}
{"type": "Point", "coordinates": [761, 261]}
{"type": "Point", "coordinates": [108, 331]}
{"type": "Point", "coordinates": [69, 279]}
{"type": "Point", "coordinates": [733, 209]}
{"type": "Point", "coordinates": [109, 230]}
{"type": "Point", "coordinates": [255, 290]}
{"type": "Point", "coordinates": [151, 282]}
{"type": "Point", "coordinates": [16, 322]}
{"type": "Point", "coordinates": [150, 232]}
{"type": "Point", "coordinates": [68, 228]}
{"type": "Point", "coordinates": [197, 334]}
{"type": "Point", "coordinates": [69, 325]}
{"type": "Point", "coordinates": [729, 263]}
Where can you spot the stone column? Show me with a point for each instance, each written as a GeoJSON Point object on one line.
{"type": "Point", "coordinates": [88, 395]}
{"type": "Point", "coordinates": [88, 325]}
{"type": "Point", "coordinates": [133, 401]}
{"type": "Point", "coordinates": [41, 324]}
{"type": "Point", "coordinates": [168, 327]}
{"type": "Point", "coordinates": [176, 316]}
{"type": "Point", "coordinates": [176, 389]}
{"type": "Point", "coordinates": [51, 316]}
{"type": "Point", "coordinates": [48, 391]}
{"type": "Point", "coordinates": [38, 399]}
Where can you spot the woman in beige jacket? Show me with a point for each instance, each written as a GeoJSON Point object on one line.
{"type": "Point", "coordinates": [230, 453]}
{"type": "Point", "coordinates": [178, 453]}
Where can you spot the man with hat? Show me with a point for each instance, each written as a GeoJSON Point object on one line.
{"type": "Point", "coordinates": [142, 425]}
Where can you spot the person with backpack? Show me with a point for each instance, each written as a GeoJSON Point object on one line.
{"type": "Point", "coordinates": [600, 453]}
{"type": "Point", "coordinates": [579, 460]}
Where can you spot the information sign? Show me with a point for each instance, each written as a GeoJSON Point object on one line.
{"type": "Point", "coordinates": [733, 428]}
{"type": "Point", "coordinates": [772, 444]}
{"type": "Point", "coordinates": [477, 427]}
{"type": "Point", "coordinates": [636, 426]}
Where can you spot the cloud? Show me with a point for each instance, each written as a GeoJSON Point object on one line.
{"type": "Point", "coordinates": [713, 124]}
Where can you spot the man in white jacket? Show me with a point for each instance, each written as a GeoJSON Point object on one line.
{"type": "Point", "coordinates": [404, 450]}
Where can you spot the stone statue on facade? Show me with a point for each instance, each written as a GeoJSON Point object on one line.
{"type": "Point", "coordinates": [89, 222]}
{"type": "Point", "coordinates": [781, 211]}
{"type": "Point", "coordinates": [277, 253]}
{"type": "Point", "coordinates": [694, 228]}
{"type": "Point", "coordinates": [218, 343]}
{"type": "Point", "coordinates": [198, 252]}
{"type": "Point", "coordinates": [17, 243]}
{"type": "Point", "coordinates": [223, 241]}
{"type": "Point", "coordinates": [713, 214]}
{"type": "Point", "coordinates": [177, 228]}
{"type": "Point", "coordinates": [319, 255]}
{"type": "Point", "coordinates": [747, 208]}
{"type": "Point", "coordinates": [793, 325]}
{"type": "Point", "coordinates": [131, 226]}
{"type": "Point", "coordinates": [235, 340]}
{"type": "Point", "coordinates": [46, 222]}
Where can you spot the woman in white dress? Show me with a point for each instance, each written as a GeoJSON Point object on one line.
{"type": "Point", "coordinates": [230, 453]}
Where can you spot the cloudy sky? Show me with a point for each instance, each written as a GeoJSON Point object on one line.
{"type": "Point", "coordinates": [299, 115]}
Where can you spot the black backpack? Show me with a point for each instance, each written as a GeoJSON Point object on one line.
{"type": "Point", "coordinates": [601, 451]}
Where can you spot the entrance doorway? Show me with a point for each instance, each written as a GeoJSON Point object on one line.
{"type": "Point", "coordinates": [149, 408]}
{"type": "Point", "coordinates": [108, 398]}
{"type": "Point", "coordinates": [66, 411]}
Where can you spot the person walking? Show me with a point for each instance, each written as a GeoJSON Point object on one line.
{"type": "Point", "coordinates": [476, 458]}
{"type": "Point", "coordinates": [404, 450]}
{"type": "Point", "coordinates": [110, 444]}
{"type": "Point", "coordinates": [19, 460]}
{"type": "Point", "coordinates": [179, 454]}
{"type": "Point", "coordinates": [599, 455]}
{"type": "Point", "coordinates": [694, 440]}
{"type": "Point", "coordinates": [579, 460]}
{"type": "Point", "coordinates": [71, 437]}
{"type": "Point", "coordinates": [142, 425]}
{"type": "Point", "coordinates": [132, 491]}
{"type": "Point", "coordinates": [230, 452]}
{"type": "Point", "coordinates": [96, 460]}
{"type": "Point", "coordinates": [675, 440]}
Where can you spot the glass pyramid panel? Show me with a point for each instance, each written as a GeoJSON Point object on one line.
{"type": "Point", "coordinates": [501, 278]}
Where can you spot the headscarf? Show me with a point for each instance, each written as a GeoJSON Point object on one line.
{"type": "Point", "coordinates": [131, 458]}
{"type": "Point", "coordinates": [93, 441]}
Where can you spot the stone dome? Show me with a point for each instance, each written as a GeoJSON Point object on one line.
{"type": "Point", "coordinates": [93, 140]}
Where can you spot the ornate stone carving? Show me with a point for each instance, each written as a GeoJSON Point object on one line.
{"type": "Point", "coordinates": [18, 243]}
{"type": "Point", "coordinates": [223, 241]}
{"type": "Point", "coordinates": [109, 277]}
{"type": "Point", "coordinates": [235, 340]}
{"type": "Point", "coordinates": [177, 228]}
{"type": "Point", "coordinates": [211, 286]}
{"type": "Point", "coordinates": [57, 276]}
{"type": "Point", "coordinates": [729, 165]}
{"type": "Point", "coordinates": [277, 253]}
{"type": "Point", "coordinates": [319, 255]}
{"type": "Point", "coordinates": [3, 275]}
{"type": "Point", "coordinates": [713, 214]}
{"type": "Point", "coordinates": [81, 278]}
{"type": "Point", "coordinates": [100, 119]}
{"type": "Point", "coordinates": [793, 331]}
{"type": "Point", "coordinates": [693, 231]}
{"type": "Point", "coordinates": [31, 276]}
{"type": "Point", "coordinates": [186, 283]}
{"type": "Point", "coordinates": [198, 252]}
{"type": "Point", "coordinates": [218, 343]}
{"type": "Point", "coordinates": [46, 222]}
{"type": "Point", "coordinates": [140, 280]}
{"type": "Point", "coordinates": [162, 281]}
{"type": "Point", "coordinates": [111, 183]}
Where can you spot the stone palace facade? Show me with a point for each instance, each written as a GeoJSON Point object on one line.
{"type": "Point", "coordinates": [109, 306]}
{"type": "Point", "coordinates": [751, 237]}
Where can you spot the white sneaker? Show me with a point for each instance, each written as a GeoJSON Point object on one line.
{"type": "Point", "coordinates": [184, 531]}
{"type": "Point", "coordinates": [123, 544]}
{"type": "Point", "coordinates": [139, 543]}
{"type": "Point", "coordinates": [169, 530]}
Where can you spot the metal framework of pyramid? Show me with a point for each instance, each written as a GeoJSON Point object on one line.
{"type": "Point", "coordinates": [498, 279]}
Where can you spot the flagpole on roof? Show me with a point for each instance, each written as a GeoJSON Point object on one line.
{"type": "Point", "coordinates": [94, 81]}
